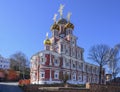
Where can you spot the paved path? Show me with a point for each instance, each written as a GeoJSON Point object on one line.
{"type": "Point", "coordinates": [9, 83]}
{"type": "Point", "coordinates": [9, 87]}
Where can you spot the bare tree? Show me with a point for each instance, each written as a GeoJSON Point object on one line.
{"type": "Point", "coordinates": [64, 77]}
{"type": "Point", "coordinates": [18, 62]}
{"type": "Point", "coordinates": [100, 55]}
{"type": "Point", "coordinates": [114, 61]}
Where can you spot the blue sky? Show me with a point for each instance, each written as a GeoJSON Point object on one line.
{"type": "Point", "coordinates": [24, 23]}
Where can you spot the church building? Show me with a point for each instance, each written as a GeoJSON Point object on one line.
{"type": "Point", "coordinates": [61, 56]}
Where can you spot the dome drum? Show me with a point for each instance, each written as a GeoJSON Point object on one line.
{"type": "Point", "coordinates": [62, 21]}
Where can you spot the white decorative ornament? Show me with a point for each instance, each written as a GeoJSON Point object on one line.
{"type": "Point", "coordinates": [47, 35]}
{"type": "Point", "coordinates": [69, 15]}
{"type": "Point", "coordinates": [61, 10]}
{"type": "Point", "coordinates": [54, 18]}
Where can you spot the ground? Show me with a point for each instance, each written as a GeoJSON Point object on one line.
{"type": "Point", "coordinates": [9, 87]}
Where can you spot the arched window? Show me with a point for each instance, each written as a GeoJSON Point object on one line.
{"type": "Point", "coordinates": [74, 65]}
{"type": "Point", "coordinates": [56, 62]}
{"type": "Point", "coordinates": [67, 63]}
{"type": "Point", "coordinates": [42, 60]}
{"type": "Point", "coordinates": [74, 76]}
{"type": "Point", "coordinates": [67, 32]}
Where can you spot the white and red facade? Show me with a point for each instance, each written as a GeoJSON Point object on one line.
{"type": "Point", "coordinates": [4, 63]}
{"type": "Point", "coordinates": [62, 56]}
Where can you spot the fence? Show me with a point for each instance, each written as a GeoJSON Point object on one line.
{"type": "Point", "coordinates": [57, 88]}
{"type": "Point", "coordinates": [104, 88]}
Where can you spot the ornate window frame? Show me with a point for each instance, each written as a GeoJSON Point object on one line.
{"type": "Point", "coordinates": [42, 74]}
{"type": "Point", "coordinates": [42, 59]}
{"type": "Point", "coordinates": [56, 75]}
{"type": "Point", "coordinates": [80, 77]}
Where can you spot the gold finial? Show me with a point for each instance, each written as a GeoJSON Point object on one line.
{"type": "Point", "coordinates": [61, 10]}
{"type": "Point", "coordinates": [54, 18]}
{"type": "Point", "coordinates": [47, 41]}
{"type": "Point", "coordinates": [68, 16]}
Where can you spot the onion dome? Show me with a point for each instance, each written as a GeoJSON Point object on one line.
{"type": "Point", "coordinates": [47, 42]}
{"type": "Point", "coordinates": [55, 26]}
{"type": "Point", "coordinates": [62, 21]}
{"type": "Point", "coordinates": [69, 25]}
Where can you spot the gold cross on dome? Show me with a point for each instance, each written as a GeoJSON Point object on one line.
{"type": "Point", "coordinates": [54, 18]}
{"type": "Point", "coordinates": [47, 35]}
{"type": "Point", "coordinates": [68, 16]}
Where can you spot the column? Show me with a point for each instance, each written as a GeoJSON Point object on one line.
{"type": "Point", "coordinates": [50, 79]}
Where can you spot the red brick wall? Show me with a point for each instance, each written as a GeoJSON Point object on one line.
{"type": "Point", "coordinates": [61, 63]}
{"type": "Point", "coordinates": [52, 74]}
{"type": "Point", "coordinates": [47, 74]}
{"type": "Point", "coordinates": [52, 58]}
{"type": "Point", "coordinates": [47, 59]}
{"type": "Point", "coordinates": [60, 74]}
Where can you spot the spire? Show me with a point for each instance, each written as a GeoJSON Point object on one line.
{"type": "Point", "coordinates": [61, 10]}
{"type": "Point", "coordinates": [68, 16]}
{"type": "Point", "coordinates": [54, 18]}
